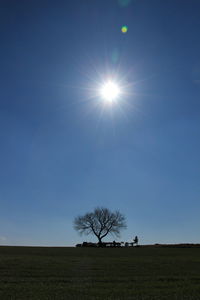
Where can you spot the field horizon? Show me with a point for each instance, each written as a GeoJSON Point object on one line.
{"type": "Point", "coordinates": [56, 273]}
{"type": "Point", "coordinates": [179, 245]}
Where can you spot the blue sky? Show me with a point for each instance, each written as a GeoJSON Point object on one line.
{"type": "Point", "coordinates": [62, 154]}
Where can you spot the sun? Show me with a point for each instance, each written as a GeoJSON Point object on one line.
{"type": "Point", "coordinates": [110, 91]}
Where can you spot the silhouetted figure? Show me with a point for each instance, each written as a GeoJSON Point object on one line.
{"type": "Point", "coordinates": [114, 244]}
{"type": "Point", "coordinates": [135, 240]}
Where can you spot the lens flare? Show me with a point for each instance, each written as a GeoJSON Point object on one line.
{"type": "Point", "coordinates": [124, 3]}
{"type": "Point", "coordinates": [124, 29]}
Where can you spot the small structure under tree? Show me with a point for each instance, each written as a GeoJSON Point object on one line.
{"type": "Point", "coordinates": [100, 223]}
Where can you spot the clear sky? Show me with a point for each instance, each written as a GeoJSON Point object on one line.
{"type": "Point", "coordinates": [63, 152]}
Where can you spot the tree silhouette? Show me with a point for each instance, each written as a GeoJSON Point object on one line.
{"type": "Point", "coordinates": [100, 222]}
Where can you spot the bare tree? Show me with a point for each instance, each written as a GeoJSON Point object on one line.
{"type": "Point", "coordinates": [100, 222]}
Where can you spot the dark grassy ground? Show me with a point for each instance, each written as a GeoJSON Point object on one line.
{"type": "Point", "coordinates": [93, 273]}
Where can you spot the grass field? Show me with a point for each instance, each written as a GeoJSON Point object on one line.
{"type": "Point", "coordinates": [94, 273]}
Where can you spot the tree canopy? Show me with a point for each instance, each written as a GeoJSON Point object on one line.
{"type": "Point", "coordinates": [100, 223]}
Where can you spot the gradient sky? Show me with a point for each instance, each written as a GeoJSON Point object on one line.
{"type": "Point", "coordinates": [62, 154]}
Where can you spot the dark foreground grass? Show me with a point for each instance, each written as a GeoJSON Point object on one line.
{"type": "Point", "coordinates": [89, 273]}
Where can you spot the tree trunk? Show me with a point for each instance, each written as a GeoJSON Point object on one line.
{"type": "Point", "coordinates": [100, 241]}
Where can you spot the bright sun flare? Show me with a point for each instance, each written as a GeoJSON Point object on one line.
{"type": "Point", "coordinates": [110, 91]}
